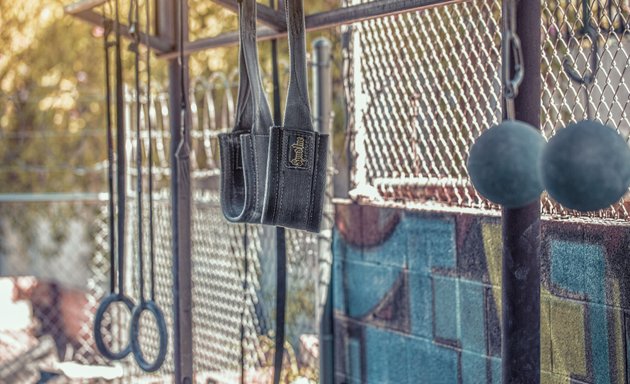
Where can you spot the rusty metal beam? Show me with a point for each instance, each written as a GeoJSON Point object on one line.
{"type": "Point", "coordinates": [274, 20]}
{"type": "Point", "coordinates": [322, 20]}
{"type": "Point", "coordinates": [82, 6]}
{"type": "Point", "coordinates": [83, 10]}
{"type": "Point", "coordinates": [266, 15]}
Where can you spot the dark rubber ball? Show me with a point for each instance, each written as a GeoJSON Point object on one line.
{"type": "Point", "coordinates": [586, 166]}
{"type": "Point", "coordinates": [504, 164]}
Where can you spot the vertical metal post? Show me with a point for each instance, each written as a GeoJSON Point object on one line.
{"type": "Point", "coordinates": [181, 199]}
{"type": "Point", "coordinates": [281, 242]}
{"type": "Point", "coordinates": [322, 112]}
{"type": "Point", "coordinates": [322, 85]}
{"type": "Point", "coordinates": [521, 229]}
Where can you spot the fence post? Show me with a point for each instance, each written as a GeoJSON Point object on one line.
{"type": "Point", "coordinates": [521, 229]}
{"type": "Point", "coordinates": [322, 113]}
{"type": "Point", "coordinates": [181, 199]}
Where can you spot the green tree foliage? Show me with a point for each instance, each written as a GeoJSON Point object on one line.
{"type": "Point", "coordinates": [51, 110]}
{"type": "Point", "coordinates": [52, 122]}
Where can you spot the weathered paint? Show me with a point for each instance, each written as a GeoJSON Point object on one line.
{"type": "Point", "coordinates": [418, 299]}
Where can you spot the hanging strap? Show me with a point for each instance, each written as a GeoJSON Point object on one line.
{"type": "Point", "coordinates": [298, 110]}
{"type": "Point", "coordinates": [115, 297]}
{"type": "Point", "coordinates": [296, 170]}
{"type": "Point", "coordinates": [150, 155]}
{"type": "Point", "coordinates": [281, 302]}
{"type": "Point", "coordinates": [135, 48]}
{"type": "Point", "coordinates": [120, 155]}
{"type": "Point", "coordinates": [110, 161]}
{"type": "Point", "coordinates": [244, 150]}
{"type": "Point", "coordinates": [145, 305]}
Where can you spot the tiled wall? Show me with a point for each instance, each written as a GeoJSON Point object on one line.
{"type": "Point", "coordinates": [417, 299]}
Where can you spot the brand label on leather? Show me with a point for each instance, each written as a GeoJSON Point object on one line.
{"type": "Point", "coordinates": [298, 151]}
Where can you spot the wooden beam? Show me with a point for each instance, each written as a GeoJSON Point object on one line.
{"type": "Point", "coordinates": [322, 20]}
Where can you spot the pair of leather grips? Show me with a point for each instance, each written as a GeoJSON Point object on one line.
{"type": "Point", "coordinates": [273, 175]}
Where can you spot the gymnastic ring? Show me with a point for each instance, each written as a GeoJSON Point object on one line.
{"type": "Point", "coordinates": [134, 336]}
{"type": "Point", "coordinates": [98, 320]}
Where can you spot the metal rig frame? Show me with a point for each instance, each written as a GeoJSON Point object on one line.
{"type": "Point", "coordinates": [521, 227]}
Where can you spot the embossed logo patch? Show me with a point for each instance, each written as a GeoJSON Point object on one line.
{"type": "Point", "coordinates": [297, 152]}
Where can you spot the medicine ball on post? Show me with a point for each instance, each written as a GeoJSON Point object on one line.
{"type": "Point", "coordinates": [586, 166]}
{"type": "Point", "coordinates": [504, 164]}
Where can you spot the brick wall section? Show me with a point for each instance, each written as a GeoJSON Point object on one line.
{"type": "Point", "coordinates": [417, 299]}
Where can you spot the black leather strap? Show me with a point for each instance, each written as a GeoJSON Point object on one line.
{"type": "Point", "coordinates": [244, 150]}
{"type": "Point", "coordinates": [144, 305]}
{"type": "Point", "coordinates": [281, 303]}
{"type": "Point", "coordinates": [121, 161]}
{"type": "Point", "coordinates": [296, 167]}
{"type": "Point", "coordinates": [116, 249]}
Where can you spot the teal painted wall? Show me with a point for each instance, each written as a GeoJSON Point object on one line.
{"type": "Point", "coordinates": [417, 299]}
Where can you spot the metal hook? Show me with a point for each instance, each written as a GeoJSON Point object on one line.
{"type": "Point", "coordinates": [513, 83]}
{"type": "Point", "coordinates": [589, 78]}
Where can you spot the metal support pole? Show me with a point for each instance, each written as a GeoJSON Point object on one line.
{"type": "Point", "coordinates": [281, 242]}
{"type": "Point", "coordinates": [322, 85]}
{"type": "Point", "coordinates": [521, 229]}
{"type": "Point", "coordinates": [168, 28]}
{"type": "Point", "coordinates": [322, 113]}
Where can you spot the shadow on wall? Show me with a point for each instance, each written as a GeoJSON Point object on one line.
{"type": "Point", "coordinates": [417, 299]}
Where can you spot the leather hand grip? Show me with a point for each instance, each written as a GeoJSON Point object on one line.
{"type": "Point", "coordinates": [296, 179]}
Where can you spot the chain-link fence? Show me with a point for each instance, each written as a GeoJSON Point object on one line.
{"type": "Point", "coordinates": [423, 85]}
{"type": "Point", "coordinates": [233, 275]}
{"type": "Point", "coordinates": [54, 263]}
{"type": "Point", "coordinates": [64, 244]}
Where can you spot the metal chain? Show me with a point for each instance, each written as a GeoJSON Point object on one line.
{"type": "Point", "coordinates": [512, 63]}
{"type": "Point", "coordinates": [587, 80]}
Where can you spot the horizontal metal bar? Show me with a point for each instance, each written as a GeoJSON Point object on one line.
{"type": "Point", "coordinates": [94, 18]}
{"type": "Point", "coordinates": [367, 11]}
{"type": "Point", "coordinates": [266, 15]}
{"type": "Point", "coordinates": [421, 182]}
{"type": "Point", "coordinates": [322, 20]}
{"type": "Point", "coordinates": [52, 197]}
{"type": "Point", "coordinates": [82, 6]}
{"type": "Point", "coordinates": [223, 40]}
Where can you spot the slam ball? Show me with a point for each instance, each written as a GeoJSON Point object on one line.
{"type": "Point", "coordinates": [586, 166]}
{"type": "Point", "coordinates": [504, 164]}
